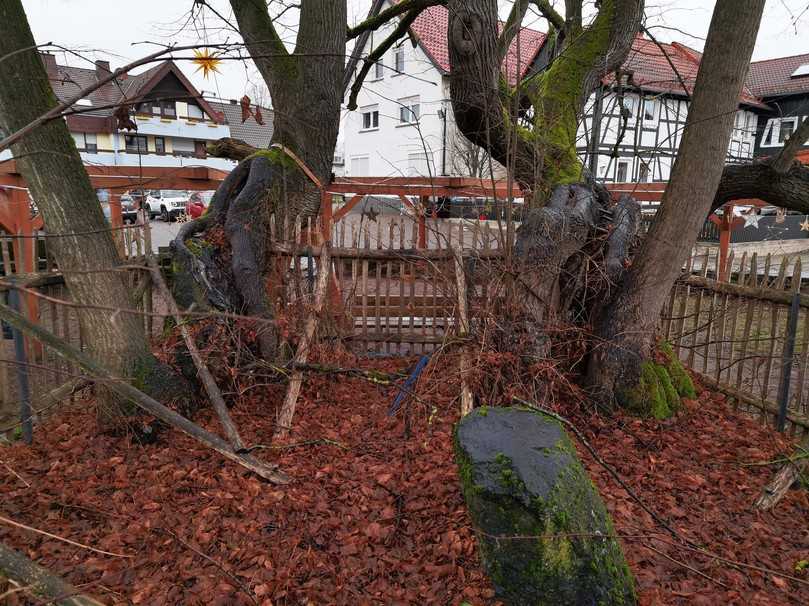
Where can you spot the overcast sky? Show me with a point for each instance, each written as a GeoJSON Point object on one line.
{"type": "Point", "coordinates": [112, 30]}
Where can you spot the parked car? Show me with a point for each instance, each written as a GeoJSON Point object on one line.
{"type": "Point", "coordinates": [129, 209]}
{"type": "Point", "coordinates": [168, 203]}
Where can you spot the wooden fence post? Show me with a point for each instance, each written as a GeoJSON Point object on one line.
{"type": "Point", "coordinates": [22, 372]}
{"type": "Point", "coordinates": [786, 361]}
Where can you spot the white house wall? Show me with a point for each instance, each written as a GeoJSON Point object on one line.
{"type": "Point", "coordinates": [394, 149]}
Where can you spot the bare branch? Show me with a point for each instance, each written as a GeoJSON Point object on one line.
{"type": "Point", "coordinates": [377, 54]}
{"type": "Point", "coordinates": [553, 17]}
{"type": "Point", "coordinates": [511, 27]}
{"type": "Point", "coordinates": [374, 22]}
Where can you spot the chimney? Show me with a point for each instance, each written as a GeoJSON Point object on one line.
{"type": "Point", "coordinates": [102, 69]}
{"type": "Point", "coordinates": [50, 64]}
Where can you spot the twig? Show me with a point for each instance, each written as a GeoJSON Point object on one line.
{"type": "Point", "coordinates": [208, 382]}
{"type": "Point", "coordinates": [321, 441]}
{"type": "Point", "coordinates": [220, 566]}
{"type": "Point", "coordinates": [19, 477]}
{"type": "Point", "coordinates": [64, 540]}
{"type": "Point", "coordinates": [686, 566]}
{"type": "Point", "coordinates": [606, 466]}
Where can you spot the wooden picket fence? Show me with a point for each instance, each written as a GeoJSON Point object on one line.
{"type": "Point", "coordinates": [746, 333]}
{"type": "Point", "coordinates": [44, 297]}
{"type": "Point", "coordinates": [396, 298]}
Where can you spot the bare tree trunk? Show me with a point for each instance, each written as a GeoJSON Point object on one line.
{"type": "Point", "coordinates": [58, 183]}
{"type": "Point", "coordinates": [628, 325]}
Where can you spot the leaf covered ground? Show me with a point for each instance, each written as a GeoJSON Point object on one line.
{"type": "Point", "coordinates": [374, 514]}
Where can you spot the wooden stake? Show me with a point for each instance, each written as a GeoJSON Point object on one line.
{"type": "Point", "coordinates": [293, 391]}
{"type": "Point", "coordinates": [140, 399]}
{"type": "Point", "coordinates": [467, 399]}
{"type": "Point", "coordinates": [208, 382]}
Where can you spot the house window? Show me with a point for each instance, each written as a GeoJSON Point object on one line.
{"type": "Point", "coordinates": [379, 69]}
{"type": "Point", "coordinates": [91, 142]}
{"type": "Point", "coordinates": [786, 128]}
{"type": "Point", "coordinates": [409, 110]}
{"type": "Point", "coordinates": [87, 142]}
{"type": "Point", "coordinates": [360, 166]}
{"type": "Point", "coordinates": [643, 172]}
{"type": "Point", "coordinates": [160, 145]}
{"type": "Point", "coordinates": [649, 110]}
{"type": "Point", "coordinates": [370, 117]}
{"type": "Point", "coordinates": [623, 171]}
{"type": "Point", "coordinates": [746, 150]}
{"type": "Point", "coordinates": [399, 60]}
{"type": "Point", "coordinates": [739, 122]}
{"type": "Point", "coordinates": [628, 104]}
{"type": "Point", "coordinates": [168, 109]}
{"type": "Point", "coordinates": [183, 147]}
{"type": "Point", "coordinates": [136, 144]}
{"type": "Point", "coordinates": [194, 111]}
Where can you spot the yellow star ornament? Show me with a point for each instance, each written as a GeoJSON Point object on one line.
{"type": "Point", "coordinates": [805, 224]}
{"type": "Point", "coordinates": [206, 62]}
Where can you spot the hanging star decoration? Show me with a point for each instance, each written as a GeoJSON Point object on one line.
{"type": "Point", "coordinates": [751, 218]}
{"type": "Point", "coordinates": [805, 224]}
{"type": "Point", "coordinates": [206, 61]}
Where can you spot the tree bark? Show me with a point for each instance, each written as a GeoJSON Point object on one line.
{"type": "Point", "coordinates": [544, 155]}
{"type": "Point", "coordinates": [629, 324]}
{"type": "Point", "coordinates": [85, 252]}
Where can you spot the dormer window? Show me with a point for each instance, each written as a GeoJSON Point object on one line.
{"type": "Point", "coordinates": [84, 102]}
{"type": "Point", "coordinates": [803, 70]}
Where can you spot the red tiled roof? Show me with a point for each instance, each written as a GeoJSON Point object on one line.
{"type": "Point", "coordinates": [652, 71]}
{"type": "Point", "coordinates": [430, 29]}
{"type": "Point", "coordinates": [773, 76]}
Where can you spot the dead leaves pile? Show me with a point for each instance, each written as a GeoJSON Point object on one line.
{"type": "Point", "coordinates": [373, 517]}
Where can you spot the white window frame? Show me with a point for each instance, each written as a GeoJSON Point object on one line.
{"type": "Point", "coordinates": [398, 61]}
{"type": "Point", "coordinates": [195, 108]}
{"type": "Point", "coordinates": [409, 111]}
{"type": "Point", "coordinates": [370, 118]}
{"type": "Point", "coordinates": [365, 157]}
{"type": "Point", "coordinates": [618, 165]}
{"type": "Point", "coordinates": [379, 69]}
{"type": "Point", "coordinates": [777, 132]}
{"type": "Point", "coordinates": [629, 102]}
{"type": "Point", "coordinates": [655, 110]}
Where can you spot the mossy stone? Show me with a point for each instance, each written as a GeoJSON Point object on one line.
{"type": "Point", "coordinates": [544, 534]}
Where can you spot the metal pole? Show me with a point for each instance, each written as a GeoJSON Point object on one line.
{"type": "Point", "coordinates": [786, 361]}
{"type": "Point", "coordinates": [22, 372]}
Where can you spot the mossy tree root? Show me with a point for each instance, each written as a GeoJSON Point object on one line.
{"type": "Point", "coordinates": [659, 389]}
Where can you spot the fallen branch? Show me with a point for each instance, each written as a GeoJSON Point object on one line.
{"type": "Point", "coordinates": [140, 399]}
{"type": "Point", "coordinates": [40, 581]}
{"type": "Point", "coordinates": [781, 483]}
{"type": "Point", "coordinates": [208, 382]}
{"type": "Point", "coordinates": [293, 391]}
